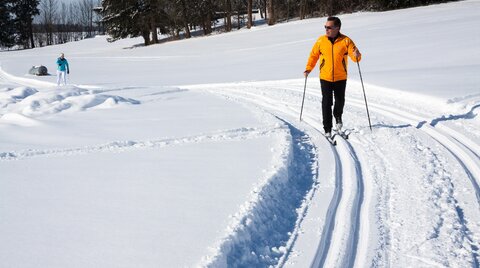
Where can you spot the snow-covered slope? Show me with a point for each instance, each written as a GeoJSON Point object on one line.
{"type": "Point", "coordinates": [191, 153]}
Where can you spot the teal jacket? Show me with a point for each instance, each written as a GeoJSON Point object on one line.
{"type": "Point", "coordinates": [62, 65]}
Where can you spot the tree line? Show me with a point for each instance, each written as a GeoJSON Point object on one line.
{"type": "Point", "coordinates": [178, 18]}
{"type": "Point", "coordinates": [35, 23]}
{"type": "Point", "coordinates": [30, 23]}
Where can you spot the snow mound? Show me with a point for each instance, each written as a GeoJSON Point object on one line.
{"type": "Point", "coordinates": [13, 95]}
{"type": "Point", "coordinates": [30, 102]}
{"type": "Point", "coordinates": [18, 119]}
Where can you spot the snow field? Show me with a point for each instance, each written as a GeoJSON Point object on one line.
{"type": "Point", "coordinates": [99, 169]}
{"type": "Point", "coordinates": [71, 223]}
{"type": "Point", "coordinates": [161, 156]}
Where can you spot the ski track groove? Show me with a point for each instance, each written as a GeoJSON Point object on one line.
{"type": "Point", "coordinates": [355, 213]}
{"type": "Point", "coordinates": [349, 207]}
{"type": "Point", "coordinates": [327, 232]}
{"type": "Point", "coordinates": [376, 178]}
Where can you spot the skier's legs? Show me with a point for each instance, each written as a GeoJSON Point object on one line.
{"type": "Point", "coordinates": [339, 93]}
{"type": "Point", "coordinates": [65, 78]}
{"type": "Point", "coordinates": [327, 102]}
{"type": "Point", "coordinates": [59, 77]}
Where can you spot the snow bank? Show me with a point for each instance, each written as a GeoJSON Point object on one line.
{"type": "Point", "coordinates": [262, 229]}
{"type": "Point", "coordinates": [30, 102]}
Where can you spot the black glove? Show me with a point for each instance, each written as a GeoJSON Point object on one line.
{"type": "Point", "coordinates": [68, 72]}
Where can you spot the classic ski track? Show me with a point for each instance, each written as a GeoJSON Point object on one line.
{"type": "Point", "coordinates": [123, 146]}
{"type": "Point", "coordinates": [465, 151]}
{"type": "Point", "coordinates": [338, 244]}
{"type": "Point", "coordinates": [462, 148]}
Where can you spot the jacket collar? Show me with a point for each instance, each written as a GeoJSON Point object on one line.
{"type": "Point", "coordinates": [338, 37]}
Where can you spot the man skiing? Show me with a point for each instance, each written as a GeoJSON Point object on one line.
{"type": "Point", "coordinates": [62, 67]}
{"type": "Point", "coordinates": [332, 49]}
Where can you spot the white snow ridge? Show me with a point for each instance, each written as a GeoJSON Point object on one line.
{"type": "Point", "coordinates": [191, 153]}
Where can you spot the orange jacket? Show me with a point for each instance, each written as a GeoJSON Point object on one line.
{"type": "Point", "coordinates": [333, 57]}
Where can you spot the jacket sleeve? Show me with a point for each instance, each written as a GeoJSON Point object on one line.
{"type": "Point", "coordinates": [351, 48]}
{"type": "Point", "coordinates": [313, 58]}
{"type": "Point", "coordinates": [66, 64]}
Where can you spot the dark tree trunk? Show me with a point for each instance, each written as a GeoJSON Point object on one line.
{"type": "Point", "coordinates": [249, 11]}
{"type": "Point", "coordinates": [271, 13]}
{"type": "Point", "coordinates": [154, 32]}
{"type": "Point", "coordinates": [185, 19]}
{"type": "Point", "coordinates": [146, 37]}
{"type": "Point", "coordinates": [30, 34]}
{"type": "Point", "coordinates": [265, 8]}
{"type": "Point", "coordinates": [228, 15]}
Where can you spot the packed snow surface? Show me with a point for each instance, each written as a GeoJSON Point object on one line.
{"type": "Point", "coordinates": [191, 153]}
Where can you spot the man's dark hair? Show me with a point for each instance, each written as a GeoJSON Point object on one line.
{"type": "Point", "coordinates": [336, 21]}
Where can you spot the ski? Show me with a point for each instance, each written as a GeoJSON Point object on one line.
{"type": "Point", "coordinates": [331, 140]}
{"type": "Point", "coordinates": [343, 134]}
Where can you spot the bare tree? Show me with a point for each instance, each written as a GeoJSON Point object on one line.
{"type": "Point", "coordinates": [85, 15]}
{"type": "Point", "coordinates": [49, 17]}
{"type": "Point", "coordinates": [263, 8]}
{"type": "Point", "coordinates": [62, 30]}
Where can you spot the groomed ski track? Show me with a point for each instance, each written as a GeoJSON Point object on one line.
{"type": "Point", "coordinates": [339, 239]}
{"type": "Point", "coordinates": [354, 231]}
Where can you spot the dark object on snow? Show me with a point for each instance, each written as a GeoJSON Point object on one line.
{"type": "Point", "coordinates": [38, 70]}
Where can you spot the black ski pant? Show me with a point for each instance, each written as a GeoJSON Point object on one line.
{"type": "Point", "coordinates": [329, 90]}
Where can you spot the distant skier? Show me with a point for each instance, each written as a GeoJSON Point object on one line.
{"type": "Point", "coordinates": [62, 67]}
{"type": "Point", "coordinates": [332, 50]}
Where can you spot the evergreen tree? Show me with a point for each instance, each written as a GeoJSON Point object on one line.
{"type": "Point", "coordinates": [6, 25]}
{"type": "Point", "coordinates": [24, 12]}
{"type": "Point", "coordinates": [127, 18]}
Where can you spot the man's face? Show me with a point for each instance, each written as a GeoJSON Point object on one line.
{"type": "Point", "coordinates": [331, 30]}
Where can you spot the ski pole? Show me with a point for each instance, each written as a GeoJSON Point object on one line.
{"type": "Point", "coordinates": [303, 99]}
{"type": "Point", "coordinates": [364, 96]}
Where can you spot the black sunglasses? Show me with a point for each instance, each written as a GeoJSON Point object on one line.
{"type": "Point", "coordinates": [329, 27]}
